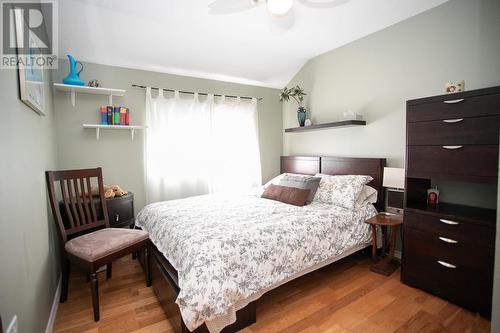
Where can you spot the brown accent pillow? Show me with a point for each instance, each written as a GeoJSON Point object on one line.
{"type": "Point", "coordinates": [290, 195]}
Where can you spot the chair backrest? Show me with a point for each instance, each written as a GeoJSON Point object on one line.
{"type": "Point", "coordinates": [77, 204]}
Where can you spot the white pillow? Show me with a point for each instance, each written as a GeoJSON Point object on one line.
{"type": "Point", "coordinates": [277, 179]}
{"type": "Point", "coordinates": [340, 190]}
{"type": "Point", "coordinates": [299, 181]}
{"type": "Point", "coordinates": [368, 195]}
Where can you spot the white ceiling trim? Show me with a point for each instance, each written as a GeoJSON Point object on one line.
{"type": "Point", "coordinates": [181, 72]}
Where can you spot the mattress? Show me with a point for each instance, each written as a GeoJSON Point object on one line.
{"type": "Point", "coordinates": [229, 250]}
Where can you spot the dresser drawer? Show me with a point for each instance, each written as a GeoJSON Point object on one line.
{"type": "Point", "coordinates": [467, 287]}
{"type": "Point", "coordinates": [454, 107]}
{"type": "Point", "coordinates": [467, 161]}
{"type": "Point", "coordinates": [448, 250]}
{"type": "Point", "coordinates": [458, 230]}
{"type": "Point", "coordinates": [458, 131]}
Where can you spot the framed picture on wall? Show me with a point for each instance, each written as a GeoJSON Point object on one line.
{"type": "Point", "coordinates": [31, 85]}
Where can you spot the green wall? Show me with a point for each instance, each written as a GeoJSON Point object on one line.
{"type": "Point", "coordinates": [122, 159]}
{"type": "Point", "coordinates": [378, 73]}
{"type": "Point", "coordinates": [31, 144]}
{"type": "Point", "coordinates": [29, 270]}
{"type": "Point", "coordinates": [375, 75]}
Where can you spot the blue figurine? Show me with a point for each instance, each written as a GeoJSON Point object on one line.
{"type": "Point", "coordinates": [73, 77]}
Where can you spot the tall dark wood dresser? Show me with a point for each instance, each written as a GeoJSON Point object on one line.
{"type": "Point", "coordinates": [448, 249]}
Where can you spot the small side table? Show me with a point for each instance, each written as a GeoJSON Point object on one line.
{"type": "Point", "coordinates": [387, 265]}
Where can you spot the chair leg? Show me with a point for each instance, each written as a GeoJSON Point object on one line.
{"type": "Point", "coordinates": [134, 254]}
{"type": "Point", "coordinates": [109, 270]}
{"type": "Point", "coordinates": [94, 287]}
{"type": "Point", "coordinates": [65, 269]}
{"type": "Point", "coordinates": [147, 265]}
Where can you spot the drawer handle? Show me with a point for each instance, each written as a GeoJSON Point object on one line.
{"type": "Point", "coordinates": [449, 222]}
{"type": "Point", "coordinates": [445, 264]}
{"type": "Point", "coordinates": [117, 217]}
{"type": "Point", "coordinates": [454, 101]}
{"type": "Point", "coordinates": [448, 240]}
{"type": "Point", "coordinates": [451, 121]}
{"type": "Point", "coordinates": [452, 147]}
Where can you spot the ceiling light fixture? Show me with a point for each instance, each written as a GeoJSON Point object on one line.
{"type": "Point", "coordinates": [279, 7]}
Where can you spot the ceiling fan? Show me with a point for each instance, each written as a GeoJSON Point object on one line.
{"type": "Point", "coordinates": [277, 8]}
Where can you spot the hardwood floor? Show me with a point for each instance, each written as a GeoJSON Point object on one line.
{"type": "Point", "coordinates": [343, 297]}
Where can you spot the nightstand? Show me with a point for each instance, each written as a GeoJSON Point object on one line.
{"type": "Point", "coordinates": [120, 211]}
{"type": "Point", "coordinates": [387, 265]}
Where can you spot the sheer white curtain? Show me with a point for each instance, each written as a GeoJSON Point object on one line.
{"type": "Point", "coordinates": [234, 145]}
{"type": "Point", "coordinates": [197, 146]}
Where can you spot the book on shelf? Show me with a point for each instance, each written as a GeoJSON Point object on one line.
{"type": "Point", "coordinates": [110, 115]}
{"type": "Point", "coordinates": [114, 115]}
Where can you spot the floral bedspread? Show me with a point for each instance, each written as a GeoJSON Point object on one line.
{"type": "Point", "coordinates": [227, 248]}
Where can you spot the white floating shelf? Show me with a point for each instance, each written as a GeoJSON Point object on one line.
{"type": "Point", "coordinates": [130, 128]}
{"type": "Point", "coordinates": [89, 90]}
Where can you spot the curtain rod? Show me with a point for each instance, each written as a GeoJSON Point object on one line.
{"type": "Point", "coordinates": [192, 92]}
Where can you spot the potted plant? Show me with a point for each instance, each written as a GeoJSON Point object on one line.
{"type": "Point", "coordinates": [297, 93]}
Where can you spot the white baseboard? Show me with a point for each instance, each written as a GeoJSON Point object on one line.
{"type": "Point", "coordinates": [53, 310]}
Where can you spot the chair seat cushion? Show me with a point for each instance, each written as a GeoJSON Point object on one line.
{"type": "Point", "coordinates": [101, 243]}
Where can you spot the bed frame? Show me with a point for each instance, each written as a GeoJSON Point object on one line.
{"type": "Point", "coordinates": [328, 165]}
{"type": "Point", "coordinates": [164, 276]}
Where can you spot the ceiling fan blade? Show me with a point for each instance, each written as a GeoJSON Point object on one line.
{"type": "Point", "coordinates": [220, 7]}
{"type": "Point", "coordinates": [323, 3]}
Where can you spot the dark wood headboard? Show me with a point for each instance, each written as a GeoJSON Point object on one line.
{"type": "Point", "coordinates": [339, 166]}
{"type": "Point", "coordinates": [308, 165]}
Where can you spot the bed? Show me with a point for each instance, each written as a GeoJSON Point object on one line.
{"type": "Point", "coordinates": [241, 248]}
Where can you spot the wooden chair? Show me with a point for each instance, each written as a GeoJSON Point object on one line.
{"type": "Point", "coordinates": [85, 238]}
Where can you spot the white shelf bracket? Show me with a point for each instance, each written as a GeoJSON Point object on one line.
{"type": "Point", "coordinates": [72, 90]}
{"type": "Point", "coordinates": [98, 127]}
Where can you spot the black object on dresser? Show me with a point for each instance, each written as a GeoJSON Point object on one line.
{"type": "Point", "coordinates": [448, 249]}
{"type": "Point", "coordinates": [120, 211]}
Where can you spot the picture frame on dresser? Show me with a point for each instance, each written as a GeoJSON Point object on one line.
{"type": "Point", "coordinates": [448, 248]}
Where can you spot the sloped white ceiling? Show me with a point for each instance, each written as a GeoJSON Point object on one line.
{"type": "Point", "coordinates": [181, 37]}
